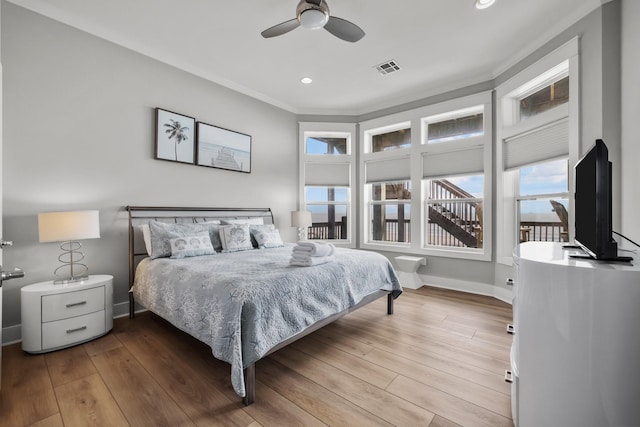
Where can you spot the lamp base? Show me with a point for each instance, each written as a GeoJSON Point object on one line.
{"type": "Point", "coordinates": [302, 233]}
{"type": "Point", "coordinates": [70, 258]}
{"type": "Point", "coordinates": [71, 280]}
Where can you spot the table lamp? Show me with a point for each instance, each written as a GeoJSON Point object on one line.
{"type": "Point", "coordinates": [302, 220]}
{"type": "Point", "coordinates": [68, 228]}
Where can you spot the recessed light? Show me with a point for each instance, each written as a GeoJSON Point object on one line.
{"type": "Point", "coordinates": [483, 4]}
{"type": "Point", "coordinates": [306, 80]}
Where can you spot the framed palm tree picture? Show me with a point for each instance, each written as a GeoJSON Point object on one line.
{"type": "Point", "coordinates": [223, 149]}
{"type": "Point", "coordinates": [175, 137]}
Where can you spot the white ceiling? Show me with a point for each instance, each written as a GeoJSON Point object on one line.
{"type": "Point", "coordinates": [439, 44]}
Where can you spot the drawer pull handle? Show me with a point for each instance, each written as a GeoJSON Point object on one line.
{"type": "Point", "coordinates": [510, 282]}
{"type": "Point", "coordinates": [511, 330]}
{"type": "Point", "coordinates": [81, 328]}
{"type": "Point", "coordinates": [74, 304]}
{"type": "Point", "coordinates": [508, 376]}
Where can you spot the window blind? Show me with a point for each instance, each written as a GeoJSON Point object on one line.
{"type": "Point", "coordinates": [327, 174]}
{"type": "Point", "coordinates": [453, 163]}
{"type": "Point", "coordinates": [544, 143]}
{"type": "Point", "coordinates": [388, 170]}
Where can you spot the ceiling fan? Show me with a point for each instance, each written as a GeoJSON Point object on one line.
{"type": "Point", "coordinates": [314, 14]}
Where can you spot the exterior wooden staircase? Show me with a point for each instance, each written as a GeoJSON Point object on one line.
{"type": "Point", "coordinates": [461, 220]}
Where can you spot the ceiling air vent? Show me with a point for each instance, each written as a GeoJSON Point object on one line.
{"type": "Point", "coordinates": [388, 67]}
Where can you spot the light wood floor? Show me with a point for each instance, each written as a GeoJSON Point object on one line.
{"type": "Point", "coordinates": [439, 361]}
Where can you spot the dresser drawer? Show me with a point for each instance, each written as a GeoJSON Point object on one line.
{"type": "Point", "coordinates": [69, 331]}
{"type": "Point", "coordinates": [71, 304]}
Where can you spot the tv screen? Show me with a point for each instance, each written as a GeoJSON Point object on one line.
{"type": "Point", "coordinates": [593, 207]}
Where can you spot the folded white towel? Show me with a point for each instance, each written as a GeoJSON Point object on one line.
{"type": "Point", "coordinates": [304, 249]}
{"type": "Point", "coordinates": [317, 249]}
{"type": "Point", "coordinates": [311, 260]}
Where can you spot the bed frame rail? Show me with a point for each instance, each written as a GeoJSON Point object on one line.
{"type": "Point", "coordinates": [250, 371]}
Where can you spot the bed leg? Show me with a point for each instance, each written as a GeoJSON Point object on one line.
{"type": "Point", "coordinates": [249, 384]}
{"type": "Point", "coordinates": [132, 306]}
{"type": "Point", "coordinates": [390, 304]}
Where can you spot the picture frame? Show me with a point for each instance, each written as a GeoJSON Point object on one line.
{"type": "Point", "coordinates": [175, 139]}
{"type": "Point", "coordinates": [222, 148]}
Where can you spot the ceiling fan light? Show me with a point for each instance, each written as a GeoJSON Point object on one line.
{"type": "Point", "coordinates": [483, 4]}
{"type": "Point", "coordinates": [313, 19]}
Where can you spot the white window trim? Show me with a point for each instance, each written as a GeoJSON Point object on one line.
{"type": "Point", "coordinates": [418, 214]}
{"type": "Point", "coordinates": [347, 130]}
{"type": "Point", "coordinates": [507, 125]}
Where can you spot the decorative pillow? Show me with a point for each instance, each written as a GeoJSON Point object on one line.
{"type": "Point", "coordinates": [256, 228]}
{"type": "Point", "coordinates": [268, 239]}
{"type": "Point", "coordinates": [196, 245]}
{"type": "Point", "coordinates": [255, 221]}
{"type": "Point", "coordinates": [162, 232]}
{"type": "Point", "coordinates": [235, 238]}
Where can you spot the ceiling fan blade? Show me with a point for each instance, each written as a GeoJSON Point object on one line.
{"type": "Point", "coordinates": [343, 29]}
{"type": "Point", "coordinates": [280, 29]}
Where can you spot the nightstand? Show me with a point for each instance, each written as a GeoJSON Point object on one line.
{"type": "Point", "coordinates": [59, 316]}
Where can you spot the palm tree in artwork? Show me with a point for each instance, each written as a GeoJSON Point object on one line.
{"type": "Point", "coordinates": [176, 131]}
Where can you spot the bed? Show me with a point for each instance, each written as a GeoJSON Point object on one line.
{"type": "Point", "coordinates": [244, 304]}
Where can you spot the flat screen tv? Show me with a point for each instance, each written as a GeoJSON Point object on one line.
{"type": "Point", "coordinates": [593, 207]}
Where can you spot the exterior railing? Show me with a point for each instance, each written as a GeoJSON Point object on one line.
{"type": "Point", "coordinates": [530, 231]}
{"type": "Point", "coordinates": [538, 231]}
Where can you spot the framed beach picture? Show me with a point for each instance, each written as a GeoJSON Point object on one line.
{"type": "Point", "coordinates": [223, 148]}
{"type": "Point", "coordinates": [175, 137]}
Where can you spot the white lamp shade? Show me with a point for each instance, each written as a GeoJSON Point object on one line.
{"type": "Point", "coordinates": [301, 219]}
{"type": "Point", "coordinates": [66, 226]}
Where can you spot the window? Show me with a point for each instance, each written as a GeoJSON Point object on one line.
{"type": "Point", "coordinates": [390, 138]}
{"type": "Point", "coordinates": [390, 212]}
{"type": "Point", "coordinates": [454, 207]}
{"type": "Point", "coordinates": [329, 208]}
{"type": "Point", "coordinates": [556, 93]}
{"type": "Point", "coordinates": [318, 145]}
{"type": "Point", "coordinates": [327, 172]}
{"type": "Point", "coordinates": [424, 187]}
{"type": "Point", "coordinates": [461, 124]}
{"type": "Point", "coordinates": [537, 143]}
{"type": "Point", "coordinates": [543, 202]}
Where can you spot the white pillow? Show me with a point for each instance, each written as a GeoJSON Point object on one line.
{"type": "Point", "coordinates": [188, 246]}
{"type": "Point", "coordinates": [235, 238]}
{"type": "Point", "coordinates": [255, 221]}
{"type": "Point", "coordinates": [146, 235]}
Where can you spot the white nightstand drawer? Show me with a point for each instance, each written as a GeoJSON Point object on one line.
{"type": "Point", "coordinates": [74, 330]}
{"type": "Point", "coordinates": [71, 304]}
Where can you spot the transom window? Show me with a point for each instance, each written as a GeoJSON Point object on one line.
{"type": "Point", "coordinates": [546, 98]}
{"type": "Point", "coordinates": [318, 145]}
{"type": "Point", "coordinates": [398, 136]}
{"type": "Point", "coordinates": [455, 125]}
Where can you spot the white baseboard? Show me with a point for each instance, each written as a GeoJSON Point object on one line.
{"type": "Point", "coordinates": [11, 334]}
{"type": "Point", "coordinates": [468, 286]}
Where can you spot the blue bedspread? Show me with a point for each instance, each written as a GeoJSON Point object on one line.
{"type": "Point", "coordinates": [242, 304]}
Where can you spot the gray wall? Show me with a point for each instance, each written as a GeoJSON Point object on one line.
{"type": "Point", "coordinates": [630, 114]}
{"type": "Point", "coordinates": [78, 134]}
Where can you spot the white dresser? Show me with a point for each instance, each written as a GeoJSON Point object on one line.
{"type": "Point", "coordinates": [576, 351]}
{"type": "Point", "coordinates": [58, 316]}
